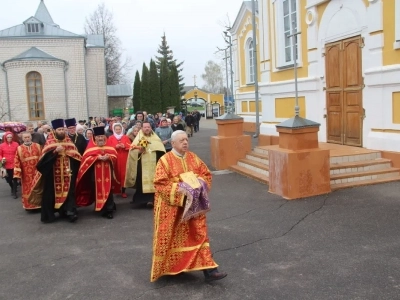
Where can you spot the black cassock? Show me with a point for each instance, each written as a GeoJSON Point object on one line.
{"type": "Point", "coordinates": [46, 167]}
{"type": "Point", "coordinates": [79, 141]}
{"type": "Point", "coordinates": [139, 197]}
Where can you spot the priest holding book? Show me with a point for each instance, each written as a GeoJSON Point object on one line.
{"type": "Point", "coordinates": [180, 242]}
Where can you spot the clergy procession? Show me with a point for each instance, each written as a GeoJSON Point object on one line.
{"type": "Point", "coordinates": [65, 165]}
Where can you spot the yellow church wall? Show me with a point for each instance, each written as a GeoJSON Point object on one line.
{"type": "Point", "coordinates": [219, 98]}
{"type": "Point", "coordinates": [245, 106]}
{"type": "Point", "coordinates": [284, 107]}
{"type": "Point", "coordinates": [252, 106]}
{"type": "Point", "coordinates": [366, 3]}
{"type": "Point", "coordinates": [320, 10]}
{"type": "Point", "coordinates": [302, 72]}
{"type": "Point", "coordinates": [390, 55]}
{"type": "Point", "coordinates": [396, 108]}
{"type": "Point", "coordinates": [209, 97]}
{"type": "Point", "coordinates": [242, 54]}
{"type": "Point", "coordinates": [245, 89]}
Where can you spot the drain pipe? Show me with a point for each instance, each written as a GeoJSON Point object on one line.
{"type": "Point", "coordinates": [66, 87]}
{"type": "Point", "coordinates": [7, 93]}
{"type": "Point", "coordinates": [255, 68]}
{"type": "Point", "coordinates": [86, 82]}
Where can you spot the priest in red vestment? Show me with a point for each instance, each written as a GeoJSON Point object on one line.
{"type": "Point", "coordinates": [180, 243]}
{"type": "Point", "coordinates": [56, 175]}
{"type": "Point", "coordinates": [121, 143]}
{"type": "Point", "coordinates": [25, 162]}
{"type": "Point", "coordinates": [96, 176]}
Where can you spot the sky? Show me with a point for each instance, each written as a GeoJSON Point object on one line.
{"type": "Point", "coordinates": [194, 29]}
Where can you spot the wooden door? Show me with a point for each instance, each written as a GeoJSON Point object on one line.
{"type": "Point", "coordinates": [344, 84]}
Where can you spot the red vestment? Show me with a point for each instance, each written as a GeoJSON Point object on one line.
{"type": "Point", "coordinates": [178, 246]}
{"type": "Point", "coordinates": [103, 176]}
{"type": "Point", "coordinates": [62, 169]}
{"type": "Point", "coordinates": [122, 158]}
{"type": "Point", "coordinates": [25, 161]}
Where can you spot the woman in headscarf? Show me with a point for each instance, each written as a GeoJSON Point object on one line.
{"type": "Point", "coordinates": [88, 135]}
{"type": "Point", "coordinates": [121, 143]}
{"type": "Point", "coordinates": [80, 129]}
{"type": "Point", "coordinates": [7, 153]}
{"type": "Point", "coordinates": [164, 132]}
{"type": "Point", "coordinates": [15, 136]}
{"type": "Point", "coordinates": [133, 132]}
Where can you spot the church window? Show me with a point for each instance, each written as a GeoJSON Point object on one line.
{"type": "Point", "coordinates": [286, 19]}
{"type": "Point", "coordinates": [250, 61]}
{"type": "Point", "coordinates": [35, 95]}
{"type": "Point", "coordinates": [397, 20]}
{"type": "Point", "coordinates": [33, 27]}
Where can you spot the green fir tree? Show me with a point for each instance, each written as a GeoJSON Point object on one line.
{"type": "Point", "coordinates": [145, 88]}
{"type": "Point", "coordinates": [167, 54]}
{"type": "Point", "coordinates": [136, 92]}
{"type": "Point", "coordinates": [175, 89]}
{"type": "Point", "coordinates": [165, 86]}
{"type": "Point", "coordinates": [155, 104]}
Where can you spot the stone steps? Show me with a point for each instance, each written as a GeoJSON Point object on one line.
{"type": "Point", "coordinates": [363, 182]}
{"type": "Point", "coordinates": [255, 165]}
{"type": "Point", "coordinates": [356, 167]}
{"type": "Point", "coordinates": [361, 169]}
{"type": "Point", "coordinates": [364, 175]}
{"type": "Point", "coordinates": [249, 173]}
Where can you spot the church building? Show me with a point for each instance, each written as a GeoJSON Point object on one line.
{"type": "Point", "coordinates": [48, 72]}
{"type": "Point", "coordinates": [348, 58]}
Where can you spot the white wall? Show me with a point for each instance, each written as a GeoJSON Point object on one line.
{"type": "Point", "coordinates": [73, 52]}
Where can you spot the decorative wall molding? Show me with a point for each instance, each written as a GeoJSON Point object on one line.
{"type": "Point", "coordinates": [249, 22]}
{"type": "Point", "coordinates": [311, 3]}
{"type": "Point", "coordinates": [34, 64]}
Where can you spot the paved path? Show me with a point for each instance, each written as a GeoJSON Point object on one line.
{"type": "Point", "coordinates": [344, 245]}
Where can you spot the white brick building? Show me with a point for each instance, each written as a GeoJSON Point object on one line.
{"type": "Point", "coordinates": [48, 72]}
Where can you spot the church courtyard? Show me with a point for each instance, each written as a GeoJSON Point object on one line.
{"type": "Point", "coordinates": [343, 245]}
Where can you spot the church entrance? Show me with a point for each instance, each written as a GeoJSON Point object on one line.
{"type": "Point", "coordinates": [344, 84]}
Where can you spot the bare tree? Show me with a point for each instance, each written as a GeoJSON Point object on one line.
{"type": "Point", "coordinates": [213, 77]}
{"type": "Point", "coordinates": [101, 22]}
{"type": "Point", "coordinates": [3, 110]}
{"type": "Point", "coordinates": [5, 114]}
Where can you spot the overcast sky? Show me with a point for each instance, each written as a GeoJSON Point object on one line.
{"type": "Point", "coordinates": [193, 28]}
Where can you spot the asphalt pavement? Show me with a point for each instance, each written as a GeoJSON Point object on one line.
{"type": "Point", "coordinates": [344, 245]}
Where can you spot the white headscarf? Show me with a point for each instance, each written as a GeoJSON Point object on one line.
{"type": "Point", "coordinates": [118, 136]}
{"type": "Point", "coordinates": [79, 126]}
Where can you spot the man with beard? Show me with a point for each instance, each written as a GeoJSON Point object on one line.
{"type": "Point", "coordinates": [76, 138]}
{"type": "Point", "coordinates": [96, 175]}
{"type": "Point", "coordinates": [56, 173]}
{"type": "Point", "coordinates": [146, 150]}
{"type": "Point", "coordinates": [25, 161]}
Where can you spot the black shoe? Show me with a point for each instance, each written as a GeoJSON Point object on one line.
{"type": "Point", "coordinates": [108, 215]}
{"type": "Point", "coordinates": [49, 221]}
{"type": "Point", "coordinates": [72, 218]}
{"type": "Point", "coordinates": [213, 274]}
{"type": "Point", "coordinates": [149, 205]}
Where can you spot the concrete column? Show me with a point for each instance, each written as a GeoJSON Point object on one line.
{"type": "Point", "coordinates": [298, 168]}
{"type": "Point", "coordinates": [230, 144]}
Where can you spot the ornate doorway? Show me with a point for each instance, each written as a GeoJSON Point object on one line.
{"type": "Point", "coordinates": [344, 84]}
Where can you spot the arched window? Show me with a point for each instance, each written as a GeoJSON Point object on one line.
{"type": "Point", "coordinates": [287, 20]}
{"type": "Point", "coordinates": [250, 62]}
{"type": "Point", "coordinates": [35, 95]}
